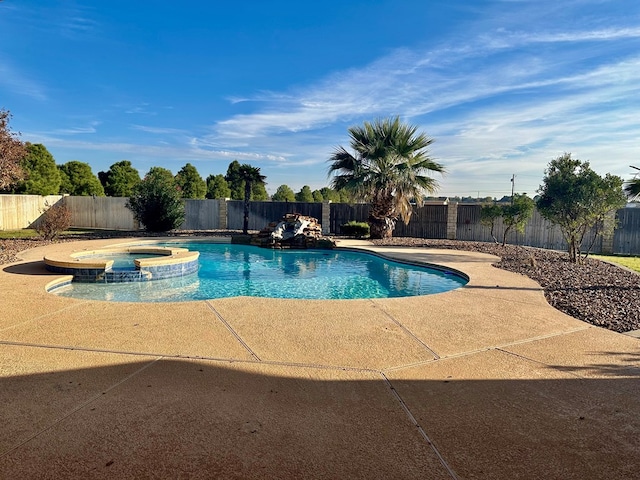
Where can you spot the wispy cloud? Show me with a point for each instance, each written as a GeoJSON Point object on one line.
{"type": "Point", "coordinates": [18, 82]}
{"type": "Point", "coordinates": [159, 130]}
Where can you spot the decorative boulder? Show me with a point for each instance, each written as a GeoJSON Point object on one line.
{"type": "Point", "coordinates": [293, 231]}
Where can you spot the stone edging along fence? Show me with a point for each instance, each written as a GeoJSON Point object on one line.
{"type": "Point", "coordinates": [434, 220]}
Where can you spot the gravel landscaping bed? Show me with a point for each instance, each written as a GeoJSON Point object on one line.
{"type": "Point", "coordinates": [595, 292]}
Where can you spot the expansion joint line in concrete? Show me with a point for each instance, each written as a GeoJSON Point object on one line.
{"type": "Point", "coordinates": [421, 431]}
{"type": "Point", "coordinates": [78, 408]}
{"type": "Point", "coordinates": [43, 316]}
{"type": "Point", "coordinates": [405, 329]}
{"type": "Point", "coordinates": [232, 331]}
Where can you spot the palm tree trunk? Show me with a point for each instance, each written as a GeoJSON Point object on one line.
{"type": "Point", "coordinates": [247, 196]}
{"type": "Point", "coordinates": [382, 219]}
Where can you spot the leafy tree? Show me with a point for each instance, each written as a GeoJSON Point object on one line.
{"type": "Point", "coordinates": [346, 196]}
{"type": "Point", "coordinates": [489, 214]}
{"type": "Point", "coordinates": [78, 179]}
{"type": "Point", "coordinates": [217, 187]}
{"type": "Point", "coordinates": [12, 152]}
{"type": "Point", "coordinates": [234, 180]}
{"type": "Point", "coordinates": [250, 176]}
{"type": "Point", "coordinates": [330, 194]}
{"type": "Point", "coordinates": [284, 194]}
{"type": "Point", "coordinates": [305, 194]}
{"type": "Point", "coordinates": [576, 198]}
{"type": "Point", "coordinates": [156, 201]}
{"type": "Point", "coordinates": [120, 179]}
{"type": "Point", "coordinates": [389, 169]}
{"type": "Point", "coordinates": [190, 182]}
{"type": "Point", "coordinates": [42, 175]}
{"type": "Point", "coordinates": [163, 174]}
{"type": "Point", "coordinates": [259, 192]}
{"type": "Point", "coordinates": [317, 196]}
{"type": "Point", "coordinates": [516, 214]}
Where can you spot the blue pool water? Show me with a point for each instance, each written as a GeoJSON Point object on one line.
{"type": "Point", "coordinates": [240, 270]}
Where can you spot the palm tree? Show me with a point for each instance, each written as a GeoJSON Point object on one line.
{"type": "Point", "coordinates": [250, 176]}
{"type": "Point", "coordinates": [632, 188]}
{"type": "Point", "coordinates": [389, 169]}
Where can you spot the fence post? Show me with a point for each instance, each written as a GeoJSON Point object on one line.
{"type": "Point", "coordinates": [222, 213]}
{"type": "Point", "coordinates": [325, 221]}
{"type": "Point", "coordinates": [607, 232]}
{"type": "Point", "coordinates": [452, 220]}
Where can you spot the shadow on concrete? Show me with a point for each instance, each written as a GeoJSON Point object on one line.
{"type": "Point", "coordinates": [29, 268]}
{"type": "Point", "coordinates": [170, 418]}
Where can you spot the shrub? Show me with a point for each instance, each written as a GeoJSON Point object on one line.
{"type": "Point", "coordinates": [54, 221]}
{"type": "Point", "coordinates": [156, 202]}
{"type": "Point", "coordinates": [355, 229]}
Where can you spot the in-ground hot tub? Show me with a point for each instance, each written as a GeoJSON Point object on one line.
{"type": "Point", "coordinates": [145, 263]}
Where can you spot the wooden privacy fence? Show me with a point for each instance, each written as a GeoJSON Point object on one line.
{"type": "Point", "coordinates": [453, 221]}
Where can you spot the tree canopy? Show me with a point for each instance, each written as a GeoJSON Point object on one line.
{"type": "Point", "coordinates": [42, 177]}
{"type": "Point", "coordinates": [389, 168]}
{"type": "Point", "coordinates": [577, 199]}
{"type": "Point", "coordinates": [217, 187]}
{"type": "Point", "coordinates": [317, 196]}
{"type": "Point", "coordinates": [120, 179]}
{"type": "Point", "coordinates": [78, 179]}
{"type": "Point", "coordinates": [156, 201]}
{"type": "Point", "coordinates": [234, 180]}
{"type": "Point", "coordinates": [12, 152]}
{"type": "Point", "coordinates": [284, 194]}
{"type": "Point", "coordinates": [190, 182]}
{"type": "Point", "coordinates": [305, 194]}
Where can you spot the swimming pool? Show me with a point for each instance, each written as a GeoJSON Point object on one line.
{"type": "Point", "coordinates": [229, 270]}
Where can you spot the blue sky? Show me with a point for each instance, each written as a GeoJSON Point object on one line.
{"type": "Point", "coordinates": [503, 86]}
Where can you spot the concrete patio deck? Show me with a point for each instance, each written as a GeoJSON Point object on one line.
{"type": "Point", "coordinates": [484, 382]}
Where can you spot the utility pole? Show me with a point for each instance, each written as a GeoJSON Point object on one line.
{"type": "Point", "coordinates": [513, 184]}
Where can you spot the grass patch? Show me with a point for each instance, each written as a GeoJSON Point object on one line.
{"type": "Point", "coordinates": [24, 233]}
{"type": "Point", "coordinates": [31, 233]}
{"type": "Point", "coordinates": [630, 262]}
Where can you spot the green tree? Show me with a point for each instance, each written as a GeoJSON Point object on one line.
{"type": "Point", "coordinates": [259, 192]}
{"type": "Point", "coordinates": [346, 196]}
{"type": "Point", "coordinates": [120, 179]}
{"type": "Point", "coordinates": [489, 214]}
{"type": "Point", "coordinates": [330, 194]}
{"type": "Point", "coordinates": [577, 199]}
{"type": "Point", "coordinates": [12, 152]}
{"type": "Point", "coordinates": [516, 214]}
{"type": "Point", "coordinates": [284, 194]}
{"type": "Point", "coordinates": [317, 196]}
{"type": "Point", "coordinates": [250, 176]}
{"type": "Point", "coordinates": [42, 175]}
{"type": "Point", "coordinates": [162, 174]}
{"type": "Point", "coordinates": [217, 187]}
{"type": "Point", "coordinates": [78, 179]}
{"type": "Point", "coordinates": [305, 194]}
{"type": "Point", "coordinates": [156, 202]}
{"type": "Point", "coordinates": [234, 180]}
{"type": "Point", "coordinates": [190, 182]}
{"type": "Point", "coordinates": [389, 169]}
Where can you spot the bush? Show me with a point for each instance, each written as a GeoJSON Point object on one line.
{"type": "Point", "coordinates": [355, 229]}
{"type": "Point", "coordinates": [55, 220]}
{"type": "Point", "coordinates": [156, 202]}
